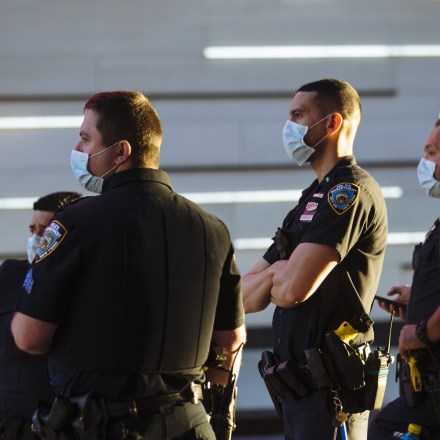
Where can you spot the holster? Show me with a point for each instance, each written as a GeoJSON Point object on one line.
{"type": "Point", "coordinates": [219, 402]}
{"type": "Point", "coordinates": [80, 418]}
{"type": "Point", "coordinates": [413, 398]}
{"type": "Point", "coordinates": [284, 380]}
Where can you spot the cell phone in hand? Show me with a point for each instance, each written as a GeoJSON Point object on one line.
{"type": "Point", "coordinates": [390, 302]}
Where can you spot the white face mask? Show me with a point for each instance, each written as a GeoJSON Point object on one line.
{"type": "Point", "coordinates": [425, 173]}
{"type": "Point", "coordinates": [293, 141]}
{"type": "Point", "coordinates": [32, 246]}
{"type": "Point", "coordinates": [78, 163]}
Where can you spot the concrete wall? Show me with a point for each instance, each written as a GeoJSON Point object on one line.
{"type": "Point", "coordinates": [222, 119]}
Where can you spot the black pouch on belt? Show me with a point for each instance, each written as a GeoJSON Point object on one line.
{"type": "Point", "coordinates": [321, 370]}
{"type": "Point", "coordinates": [348, 364]}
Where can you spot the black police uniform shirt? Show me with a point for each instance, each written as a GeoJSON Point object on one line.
{"type": "Point", "coordinates": [136, 278]}
{"type": "Point", "coordinates": [347, 212]}
{"type": "Point", "coordinates": [23, 377]}
{"type": "Point", "coordinates": [425, 290]}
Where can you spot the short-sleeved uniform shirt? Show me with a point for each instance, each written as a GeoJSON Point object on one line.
{"type": "Point", "coordinates": [137, 279]}
{"type": "Point", "coordinates": [425, 287]}
{"type": "Point", "coordinates": [347, 212]}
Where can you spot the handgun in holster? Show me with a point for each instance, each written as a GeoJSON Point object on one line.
{"type": "Point", "coordinates": [219, 400]}
{"type": "Point", "coordinates": [266, 368]}
{"type": "Point", "coordinates": [49, 420]}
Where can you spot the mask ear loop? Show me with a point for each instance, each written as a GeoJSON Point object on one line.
{"type": "Point", "coordinates": [103, 151]}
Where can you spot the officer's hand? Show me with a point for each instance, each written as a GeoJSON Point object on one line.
{"type": "Point", "coordinates": [403, 294]}
{"type": "Point", "coordinates": [277, 266]}
{"type": "Point", "coordinates": [409, 341]}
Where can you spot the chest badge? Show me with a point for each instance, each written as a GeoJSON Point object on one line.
{"type": "Point", "coordinates": [309, 212]}
{"type": "Point", "coordinates": [343, 196]}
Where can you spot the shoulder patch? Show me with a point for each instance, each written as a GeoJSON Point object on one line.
{"type": "Point", "coordinates": [343, 196]}
{"type": "Point", "coordinates": [53, 236]}
{"type": "Point", "coordinates": [29, 281]}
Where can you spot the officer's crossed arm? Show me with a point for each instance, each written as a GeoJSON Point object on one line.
{"type": "Point", "coordinates": [32, 335]}
{"type": "Point", "coordinates": [257, 284]}
{"type": "Point", "coordinates": [306, 269]}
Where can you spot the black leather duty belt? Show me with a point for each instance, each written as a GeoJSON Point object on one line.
{"type": "Point", "coordinates": [192, 394]}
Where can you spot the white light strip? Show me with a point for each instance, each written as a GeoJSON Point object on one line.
{"type": "Point", "coordinates": [270, 196]}
{"type": "Point", "coordinates": [337, 51]}
{"type": "Point", "coordinates": [394, 238]}
{"type": "Point", "coordinates": [222, 197]}
{"type": "Point", "coordinates": [215, 198]}
{"type": "Point", "coordinates": [9, 203]}
{"type": "Point", "coordinates": [33, 122]}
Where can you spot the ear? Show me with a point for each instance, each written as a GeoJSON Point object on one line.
{"type": "Point", "coordinates": [123, 152]}
{"type": "Point", "coordinates": [335, 123]}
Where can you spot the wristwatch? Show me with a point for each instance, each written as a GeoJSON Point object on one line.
{"type": "Point", "coordinates": [422, 332]}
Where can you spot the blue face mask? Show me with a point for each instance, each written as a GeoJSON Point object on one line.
{"type": "Point", "coordinates": [425, 174]}
{"type": "Point", "coordinates": [78, 163]}
{"type": "Point", "coordinates": [32, 246]}
{"type": "Point", "coordinates": [293, 141]}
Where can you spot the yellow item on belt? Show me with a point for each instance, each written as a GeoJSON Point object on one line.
{"type": "Point", "coordinates": [346, 332]}
{"type": "Point", "coordinates": [416, 379]}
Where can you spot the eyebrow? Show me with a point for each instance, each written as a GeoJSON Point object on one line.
{"type": "Point", "coordinates": [294, 110]}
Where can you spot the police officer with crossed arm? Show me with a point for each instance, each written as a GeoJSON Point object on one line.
{"type": "Point", "coordinates": [23, 378]}
{"type": "Point", "coordinates": [130, 290]}
{"type": "Point", "coordinates": [323, 269]}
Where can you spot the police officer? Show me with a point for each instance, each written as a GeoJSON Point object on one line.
{"type": "Point", "coordinates": [324, 266]}
{"type": "Point", "coordinates": [420, 336]}
{"type": "Point", "coordinates": [23, 378]}
{"type": "Point", "coordinates": [130, 289]}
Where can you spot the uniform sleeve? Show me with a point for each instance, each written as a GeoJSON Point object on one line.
{"type": "Point", "coordinates": [342, 218]}
{"type": "Point", "coordinates": [230, 312]}
{"type": "Point", "coordinates": [51, 278]}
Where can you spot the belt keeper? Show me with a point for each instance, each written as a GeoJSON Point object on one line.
{"type": "Point", "coordinates": [133, 411]}
{"type": "Point", "coordinates": [195, 397]}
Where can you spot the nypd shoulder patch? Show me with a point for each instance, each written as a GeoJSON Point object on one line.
{"type": "Point", "coordinates": [343, 196]}
{"type": "Point", "coordinates": [53, 236]}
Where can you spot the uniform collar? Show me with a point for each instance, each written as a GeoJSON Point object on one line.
{"type": "Point", "coordinates": [343, 163]}
{"type": "Point", "coordinates": [136, 175]}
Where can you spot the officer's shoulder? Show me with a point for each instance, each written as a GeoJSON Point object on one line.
{"type": "Point", "coordinates": [359, 176]}
{"type": "Point", "coordinates": [207, 216]}
{"type": "Point", "coordinates": [14, 264]}
{"type": "Point", "coordinates": [77, 206]}
{"type": "Point", "coordinates": [368, 189]}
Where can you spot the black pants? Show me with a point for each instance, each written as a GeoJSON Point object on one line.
{"type": "Point", "coordinates": [396, 416]}
{"type": "Point", "coordinates": [309, 419]}
{"type": "Point", "coordinates": [183, 421]}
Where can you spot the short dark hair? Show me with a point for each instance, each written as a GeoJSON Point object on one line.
{"type": "Point", "coordinates": [53, 201]}
{"type": "Point", "coordinates": [335, 95]}
{"type": "Point", "coordinates": [437, 122]}
{"type": "Point", "coordinates": [126, 115]}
